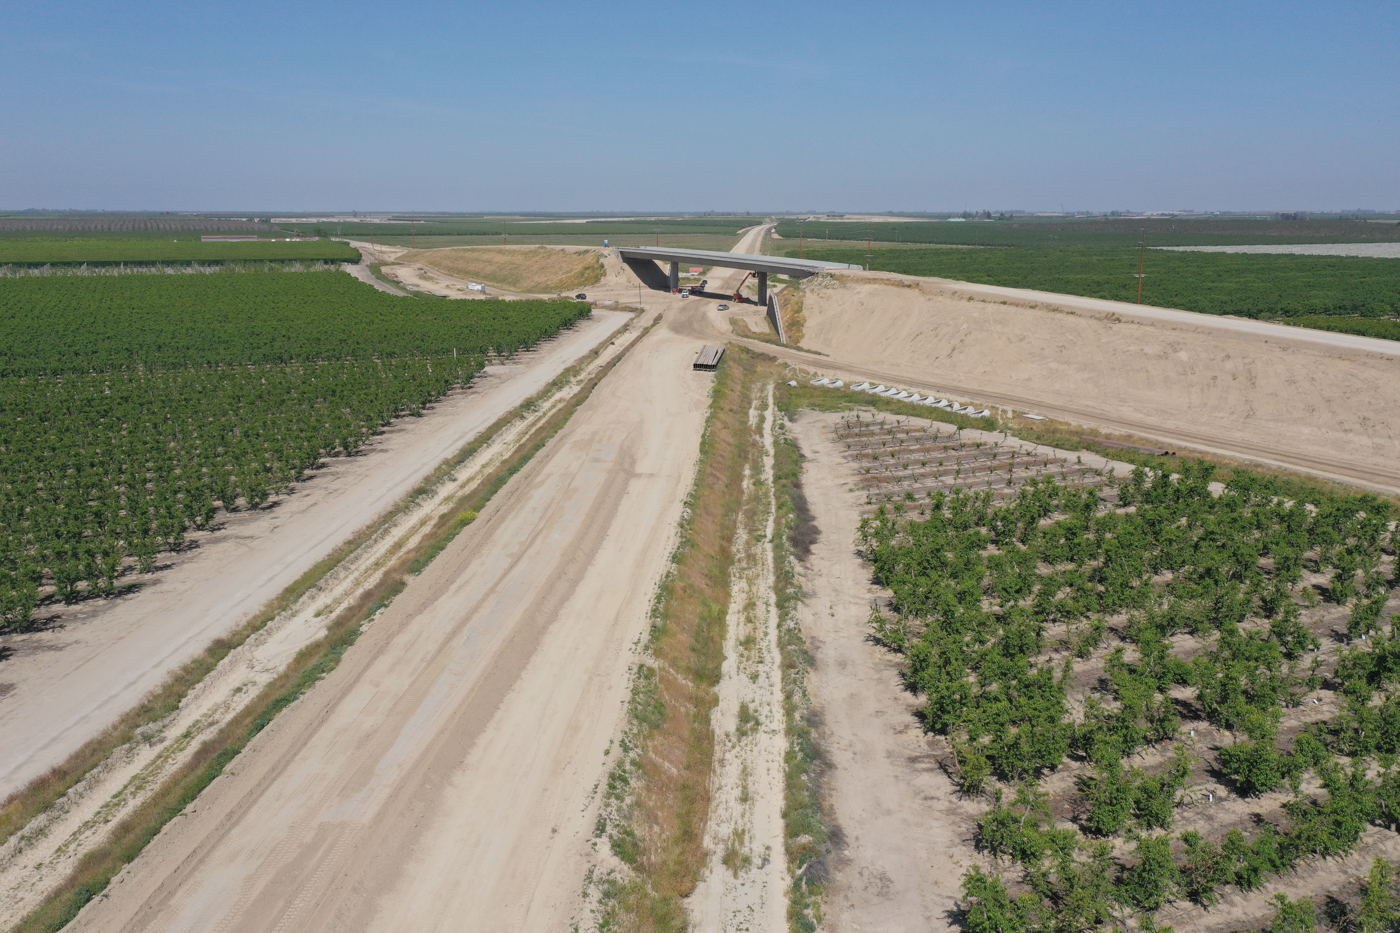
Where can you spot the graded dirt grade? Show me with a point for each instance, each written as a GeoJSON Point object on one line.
{"type": "Point", "coordinates": [68, 681]}
{"type": "Point", "coordinates": [533, 269]}
{"type": "Point", "coordinates": [442, 774]}
{"type": "Point", "coordinates": [1308, 400]}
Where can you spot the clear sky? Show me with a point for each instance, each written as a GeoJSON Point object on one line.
{"type": "Point", "coordinates": [661, 106]}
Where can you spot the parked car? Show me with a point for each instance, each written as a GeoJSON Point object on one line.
{"type": "Point", "coordinates": [581, 296]}
{"type": "Point", "coordinates": [722, 308]}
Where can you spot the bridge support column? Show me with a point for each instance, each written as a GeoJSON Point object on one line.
{"type": "Point", "coordinates": [763, 288]}
{"type": "Point", "coordinates": [675, 277]}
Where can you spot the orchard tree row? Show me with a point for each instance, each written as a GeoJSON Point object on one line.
{"type": "Point", "coordinates": [84, 324]}
{"type": "Point", "coordinates": [178, 396]}
{"type": "Point", "coordinates": [1049, 630]}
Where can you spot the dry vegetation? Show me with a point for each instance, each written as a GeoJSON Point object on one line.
{"type": "Point", "coordinates": [794, 321]}
{"type": "Point", "coordinates": [659, 795]}
{"type": "Point", "coordinates": [533, 270]}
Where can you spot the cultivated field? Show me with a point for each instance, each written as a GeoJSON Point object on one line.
{"type": "Point", "coordinates": [42, 251]}
{"type": "Point", "coordinates": [135, 408]}
{"type": "Point", "coordinates": [1174, 780]}
{"type": "Point", "coordinates": [1317, 273]}
{"type": "Point", "coordinates": [1098, 232]}
{"type": "Point", "coordinates": [667, 649]}
{"type": "Point", "coordinates": [123, 225]}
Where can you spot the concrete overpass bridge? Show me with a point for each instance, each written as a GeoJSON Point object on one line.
{"type": "Point", "coordinates": [644, 261]}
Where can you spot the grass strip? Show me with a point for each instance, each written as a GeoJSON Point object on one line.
{"type": "Point", "coordinates": [805, 831]}
{"type": "Point", "coordinates": [668, 751]}
{"type": "Point", "coordinates": [376, 269]}
{"type": "Point", "coordinates": [821, 398]}
{"type": "Point", "coordinates": [130, 836]}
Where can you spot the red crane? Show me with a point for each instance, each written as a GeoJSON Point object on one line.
{"type": "Point", "coordinates": [738, 296]}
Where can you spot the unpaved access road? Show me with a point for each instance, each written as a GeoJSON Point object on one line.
{"type": "Point", "coordinates": [68, 682]}
{"type": "Point", "coordinates": [361, 271]}
{"type": "Point", "coordinates": [902, 832]}
{"type": "Point", "coordinates": [442, 776]}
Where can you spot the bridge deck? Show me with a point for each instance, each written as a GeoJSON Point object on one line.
{"type": "Point", "coordinates": [777, 265]}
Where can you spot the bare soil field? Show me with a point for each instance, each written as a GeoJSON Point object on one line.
{"type": "Point", "coordinates": [444, 771]}
{"type": "Point", "coordinates": [534, 270]}
{"type": "Point", "coordinates": [63, 684]}
{"type": "Point", "coordinates": [1313, 401]}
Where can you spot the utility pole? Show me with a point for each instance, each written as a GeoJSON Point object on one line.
{"type": "Point", "coordinates": [799, 239]}
{"type": "Point", "coordinates": [1142, 262]}
{"type": "Point", "coordinates": [657, 228]}
{"type": "Point", "coordinates": [505, 235]}
{"type": "Point", "coordinates": [869, 245]}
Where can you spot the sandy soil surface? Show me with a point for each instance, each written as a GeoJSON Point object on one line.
{"type": "Point", "coordinates": [442, 775]}
{"type": "Point", "coordinates": [1307, 400]}
{"type": "Point", "coordinates": [49, 846]}
{"type": "Point", "coordinates": [66, 683]}
{"type": "Point", "coordinates": [902, 833]}
{"type": "Point", "coordinates": [376, 252]}
{"type": "Point", "coordinates": [1378, 250]}
{"type": "Point", "coordinates": [617, 285]}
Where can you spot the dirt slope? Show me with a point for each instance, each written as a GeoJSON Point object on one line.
{"type": "Point", "coordinates": [530, 270]}
{"type": "Point", "coordinates": [64, 684]}
{"type": "Point", "coordinates": [1311, 400]}
{"type": "Point", "coordinates": [441, 776]}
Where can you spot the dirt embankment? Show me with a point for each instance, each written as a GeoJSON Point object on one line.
{"type": "Point", "coordinates": [532, 270]}
{"type": "Point", "coordinates": [1216, 384]}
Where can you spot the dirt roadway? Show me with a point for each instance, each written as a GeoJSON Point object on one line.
{"type": "Point", "coordinates": [68, 682]}
{"type": "Point", "coordinates": [360, 270]}
{"type": "Point", "coordinates": [441, 776]}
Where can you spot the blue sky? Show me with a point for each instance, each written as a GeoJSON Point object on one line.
{"type": "Point", "coordinates": [533, 105]}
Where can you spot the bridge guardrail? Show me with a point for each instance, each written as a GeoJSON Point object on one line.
{"type": "Point", "coordinates": [775, 316]}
